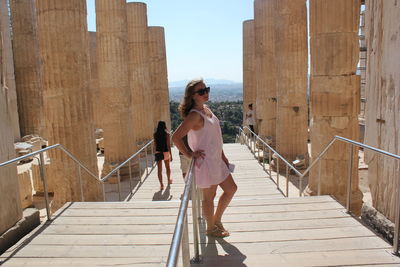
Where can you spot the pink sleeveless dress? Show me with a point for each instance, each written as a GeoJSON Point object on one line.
{"type": "Point", "coordinates": [212, 169]}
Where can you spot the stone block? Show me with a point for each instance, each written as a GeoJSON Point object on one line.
{"type": "Point", "coordinates": [327, 16]}
{"type": "Point", "coordinates": [334, 54]}
{"type": "Point", "coordinates": [25, 189]}
{"type": "Point", "coordinates": [335, 95]}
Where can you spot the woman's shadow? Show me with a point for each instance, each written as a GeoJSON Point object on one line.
{"type": "Point", "coordinates": [163, 196]}
{"type": "Point", "coordinates": [210, 257]}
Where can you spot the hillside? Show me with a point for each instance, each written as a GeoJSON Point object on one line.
{"type": "Point", "coordinates": [219, 92]}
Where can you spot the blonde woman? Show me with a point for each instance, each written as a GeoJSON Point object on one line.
{"type": "Point", "coordinates": [205, 140]}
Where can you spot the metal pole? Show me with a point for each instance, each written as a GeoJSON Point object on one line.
{"type": "Point", "coordinates": [147, 163]}
{"type": "Point", "coordinates": [319, 177]}
{"type": "Point", "coordinates": [300, 185]}
{"type": "Point", "coordinates": [130, 177]}
{"type": "Point", "coordinates": [263, 159]}
{"type": "Point", "coordinates": [397, 221]}
{"type": "Point", "coordinates": [195, 212]}
{"type": "Point", "coordinates": [43, 177]}
{"type": "Point", "coordinates": [258, 153]}
{"type": "Point", "coordinates": [185, 243]}
{"type": "Point", "coordinates": [287, 181]}
{"type": "Point", "coordinates": [80, 182]}
{"type": "Point", "coordinates": [349, 178]}
{"type": "Point", "coordinates": [119, 184]}
{"type": "Point", "coordinates": [269, 163]}
{"type": "Point", "coordinates": [140, 168]}
{"type": "Point", "coordinates": [277, 172]}
{"type": "Point", "coordinates": [104, 192]}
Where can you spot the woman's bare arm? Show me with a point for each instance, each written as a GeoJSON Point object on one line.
{"type": "Point", "coordinates": [193, 121]}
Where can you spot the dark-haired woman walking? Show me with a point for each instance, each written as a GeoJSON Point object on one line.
{"type": "Point", "coordinates": [163, 152]}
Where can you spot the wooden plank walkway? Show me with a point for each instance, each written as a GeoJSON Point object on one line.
{"type": "Point", "coordinates": [266, 229]}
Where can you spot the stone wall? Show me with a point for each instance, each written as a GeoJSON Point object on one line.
{"type": "Point", "coordinates": [383, 98]}
{"type": "Point", "coordinates": [10, 206]}
{"type": "Point", "coordinates": [8, 69]}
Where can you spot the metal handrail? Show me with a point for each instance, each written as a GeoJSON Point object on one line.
{"type": "Point", "coordinates": [396, 243]}
{"type": "Point", "coordinates": [80, 165]}
{"type": "Point", "coordinates": [181, 226]}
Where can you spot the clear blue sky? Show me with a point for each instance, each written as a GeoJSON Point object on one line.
{"type": "Point", "coordinates": [203, 38]}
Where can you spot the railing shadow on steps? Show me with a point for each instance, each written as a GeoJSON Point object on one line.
{"type": "Point", "coordinates": [250, 138]}
{"type": "Point", "coordinates": [81, 166]}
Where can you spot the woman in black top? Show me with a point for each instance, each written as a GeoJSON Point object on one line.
{"type": "Point", "coordinates": [163, 151]}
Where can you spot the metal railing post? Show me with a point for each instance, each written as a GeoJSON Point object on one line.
{"type": "Point", "coordinates": [396, 245]}
{"type": "Point", "coordinates": [195, 216]}
{"type": "Point", "coordinates": [287, 181]}
{"type": "Point", "coordinates": [140, 168]}
{"type": "Point", "coordinates": [185, 243]}
{"type": "Point", "coordinates": [147, 163]}
{"type": "Point", "coordinates": [104, 191]}
{"type": "Point", "coordinates": [269, 163]}
{"type": "Point", "coordinates": [319, 178]}
{"type": "Point", "coordinates": [277, 173]}
{"type": "Point", "coordinates": [300, 184]}
{"type": "Point", "coordinates": [80, 182]}
{"type": "Point", "coordinates": [44, 181]}
{"type": "Point", "coordinates": [119, 185]}
{"type": "Point", "coordinates": [349, 178]}
{"type": "Point", "coordinates": [263, 158]}
{"type": "Point", "coordinates": [130, 177]}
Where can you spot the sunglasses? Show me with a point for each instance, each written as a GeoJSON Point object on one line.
{"type": "Point", "coordinates": [203, 91]}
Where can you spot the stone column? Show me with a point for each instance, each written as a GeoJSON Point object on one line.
{"type": "Point", "coordinates": [8, 68]}
{"type": "Point", "coordinates": [159, 75]}
{"type": "Point", "coordinates": [264, 21]}
{"type": "Point", "coordinates": [27, 66]}
{"type": "Point", "coordinates": [10, 206]}
{"type": "Point", "coordinates": [139, 78]}
{"type": "Point", "coordinates": [334, 94]}
{"type": "Point", "coordinates": [94, 81]}
{"type": "Point", "coordinates": [249, 81]}
{"type": "Point", "coordinates": [63, 35]}
{"type": "Point", "coordinates": [114, 92]}
{"type": "Point", "coordinates": [382, 107]}
{"type": "Point", "coordinates": [291, 85]}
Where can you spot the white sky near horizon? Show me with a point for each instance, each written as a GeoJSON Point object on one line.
{"type": "Point", "coordinates": [203, 38]}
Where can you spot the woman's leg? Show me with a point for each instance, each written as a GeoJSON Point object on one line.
{"type": "Point", "coordinates": [159, 173]}
{"type": "Point", "coordinates": [229, 187]}
{"type": "Point", "coordinates": [167, 167]}
{"type": "Point", "coordinates": [208, 205]}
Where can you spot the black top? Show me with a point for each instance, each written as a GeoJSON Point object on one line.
{"type": "Point", "coordinates": [161, 141]}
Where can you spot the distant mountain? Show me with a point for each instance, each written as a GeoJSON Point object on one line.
{"type": "Point", "coordinates": [209, 81]}
{"type": "Point", "coordinates": [219, 92]}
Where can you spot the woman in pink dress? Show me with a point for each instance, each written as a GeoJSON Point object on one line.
{"type": "Point", "coordinates": [205, 139]}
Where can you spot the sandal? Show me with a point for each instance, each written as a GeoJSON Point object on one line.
{"type": "Point", "coordinates": [216, 232]}
{"type": "Point", "coordinates": [220, 226]}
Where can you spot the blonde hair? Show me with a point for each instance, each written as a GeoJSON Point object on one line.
{"type": "Point", "coordinates": [187, 102]}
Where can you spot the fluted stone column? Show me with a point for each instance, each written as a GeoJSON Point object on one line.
{"type": "Point", "coordinates": [8, 69]}
{"type": "Point", "coordinates": [10, 206]}
{"type": "Point", "coordinates": [139, 76]}
{"type": "Point", "coordinates": [159, 75]}
{"type": "Point", "coordinates": [382, 107]}
{"type": "Point", "coordinates": [264, 21]}
{"type": "Point", "coordinates": [114, 92]}
{"type": "Point", "coordinates": [94, 81]}
{"type": "Point", "coordinates": [27, 66]}
{"type": "Point", "coordinates": [63, 35]}
{"type": "Point", "coordinates": [335, 94]}
{"type": "Point", "coordinates": [291, 85]}
{"type": "Point", "coordinates": [249, 81]}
